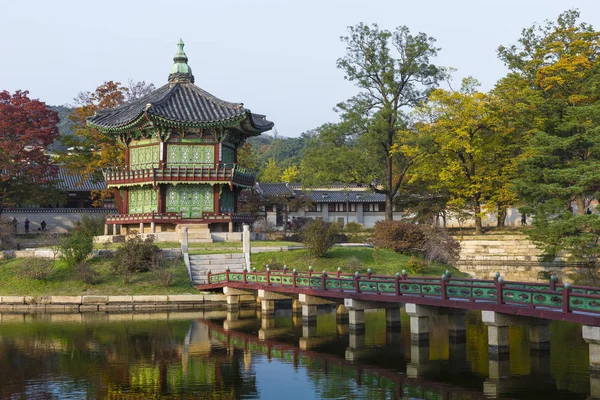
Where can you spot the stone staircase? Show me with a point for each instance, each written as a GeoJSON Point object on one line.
{"type": "Point", "coordinates": [201, 264]}
{"type": "Point", "coordinates": [197, 233]}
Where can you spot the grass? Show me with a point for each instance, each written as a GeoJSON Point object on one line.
{"type": "Point", "coordinates": [351, 259]}
{"type": "Point", "coordinates": [61, 282]}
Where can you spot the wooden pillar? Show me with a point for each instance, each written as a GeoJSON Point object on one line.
{"type": "Point", "coordinates": [216, 201]}
{"type": "Point", "coordinates": [125, 201]}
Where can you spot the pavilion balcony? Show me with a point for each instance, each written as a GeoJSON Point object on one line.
{"type": "Point", "coordinates": [127, 176]}
{"type": "Point", "coordinates": [177, 218]}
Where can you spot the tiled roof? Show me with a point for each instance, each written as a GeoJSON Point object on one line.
{"type": "Point", "coordinates": [274, 189]}
{"type": "Point", "coordinates": [342, 196]}
{"type": "Point", "coordinates": [73, 183]}
{"type": "Point", "coordinates": [179, 103]}
{"type": "Point", "coordinates": [321, 196]}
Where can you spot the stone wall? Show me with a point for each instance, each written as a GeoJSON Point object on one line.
{"type": "Point", "coordinates": [59, 220]}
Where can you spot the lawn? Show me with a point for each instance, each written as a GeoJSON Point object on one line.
{"type": "Point", "coordinates": [61, 282]}
{"type": "Point", "coordinates": [351, 259]}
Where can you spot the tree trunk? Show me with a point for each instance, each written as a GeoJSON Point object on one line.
{"type": "Point", "coordinates": [477, 209]}
{"type": "Point", "coordinates": [389, 209]}
{"type": "Point", "coordinates": [501, 217]}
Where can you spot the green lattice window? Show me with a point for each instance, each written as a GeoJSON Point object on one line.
{"type": "Point", "coordinates": [187, 155]}
{"type": "Point", "coordinates": [142, 200]}
{"type": "Point", "coordinates": [190, 200]}
{"type": "Point", "coordinates": [144, 157]}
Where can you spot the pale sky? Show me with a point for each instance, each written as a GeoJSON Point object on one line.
{"type": "Point", "coordinates": [278, 57]}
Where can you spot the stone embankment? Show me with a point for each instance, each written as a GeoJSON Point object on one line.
{"type": "Point", "coordinates": [79, 304]}
{"type": "Point", "coordinates": [513, 255]}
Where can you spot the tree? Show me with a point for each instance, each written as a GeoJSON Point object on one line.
{"type": "Point", "coordinates": [290, 174]}
{"type": "Point", "coordinates": [559, 61]}
{"type": "Point", "coordinates": [272, 172]}
{"type": "Point", "coordinates": [89, 150]}
{"type": "Point", "coordinates": [27, 128]}
{"type": "Point", "coordinates": [393, 72]}
{"type": "Point", "coordinates": [471, 159]}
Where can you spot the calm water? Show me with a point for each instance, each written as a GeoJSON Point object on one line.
{"type": "Point", "coordinates": [213, 355]}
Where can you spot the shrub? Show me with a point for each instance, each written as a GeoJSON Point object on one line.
{"type": "Point", "coordinates": [37, 268]}
{"type": "Point", "coordinates": [92, 226]}
{"type": "Point", "coordinates": [268, 229]}
{"type": "Point", "coordinates": [353, 227]}
{"type": "Point", "coordinates": [299, 222]}
{"type": "Point", "coordinates": [416, 266]}
{"type": "Point", "coordinates": [399, 236]}
{"type": "Point", "coordinates": [135, 255]}
{"type": "Point", "coordinates": [440, 247]}
{"type": "Point", "coordinates": [76, 247]}
{"type": "Point", "coordinates": [163, 271]}
{"type": "Point", "coordinates": [318, 237]}
{"type": "Point", "coordinates": [84, 272]}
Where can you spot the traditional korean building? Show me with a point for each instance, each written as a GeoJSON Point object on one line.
{"type": "Point", "coordinates": [181, 156]}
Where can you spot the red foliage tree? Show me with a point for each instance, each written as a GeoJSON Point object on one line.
{"type": "Point", "coordinates": [27, 128]}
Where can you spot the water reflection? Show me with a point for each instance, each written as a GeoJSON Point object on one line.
{"type": "Point", "coordinates": [243, 354]}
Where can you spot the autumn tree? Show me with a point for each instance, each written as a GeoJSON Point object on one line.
{"type": "Point", "coordinates": [89, 150]}
{"type": "Point", "coordinates": [394, 72]}
{"type": "Point", "coordinates": [27, 128]}
{"type": "Point", "coordinates": [559, 61]}
{"type": "Point", "coordinates": [272, 172]}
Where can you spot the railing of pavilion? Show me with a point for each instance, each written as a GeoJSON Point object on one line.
{"type": "Point", "coordinates": [552, 296]}
{"type": "Point", "coordinates": [179, 172]}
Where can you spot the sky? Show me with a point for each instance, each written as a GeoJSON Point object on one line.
{"type": "Point", "coordinates": [278, 57]}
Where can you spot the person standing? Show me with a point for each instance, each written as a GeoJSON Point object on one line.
{"type": "Point", "coordinates": [43, 226]}
{"type": "Point", "coordinates": [15, 223]}
{"type": "Point", "coordinates": [26, 225]}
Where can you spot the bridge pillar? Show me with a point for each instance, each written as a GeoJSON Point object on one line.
{"type": "Point", "coordinates": [498, 325]}
{"type": "Point", "coordinates": [539, 337]}
{"type": "Point", "coordinates": [356, 312]}
{"type": "Point", "coordinates": [267, 301]}
{"type": "Point", "coordinates": [392, 318]}
{"type": "Point", "coordinates": [309, 307]}
{"type": "Point", "coordinates": [591, 334]}
{"type": "Point", "coordinates": [356, 346]}
{"type": "Point", "coordinates": [457, 327]}
{"type": "Point", "coordinates": [419, 322]}
{"type": "Point", "coordinates": [233, 297]}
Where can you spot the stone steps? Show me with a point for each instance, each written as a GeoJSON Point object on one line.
{"type": "Point", "coordinates": [197, 233]}
{"type": "Point", "coordinates": [216, 263]}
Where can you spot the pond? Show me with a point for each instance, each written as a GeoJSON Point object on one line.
{"type": "Point", "coordinates": [220, 355]}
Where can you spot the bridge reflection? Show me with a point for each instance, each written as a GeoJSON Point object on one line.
{"type": "Point", "coordinates": [442, 367]}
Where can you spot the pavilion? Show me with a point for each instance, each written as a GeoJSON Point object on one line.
{"type": "Point", "coordinates": [181, 157]}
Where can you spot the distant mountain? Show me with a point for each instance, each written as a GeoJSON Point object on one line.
{"type": "Point", "coordinates": [65, 126]}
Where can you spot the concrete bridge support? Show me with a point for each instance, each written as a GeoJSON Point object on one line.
{"type": "Point", "coordinates": [498, 324]}
{"type": "Point", "coordinates": [356, 312]}
{"type": "Point", "coordinates": [309, 307]}
{"type": "Point", "coordinates": [419, 322]}
{"type": "Point", "coordinates": [233, 297]}
{"type": "Point", "coordinates": [591, 334]}
{"type": "Point", "coordinates": [267, 301]}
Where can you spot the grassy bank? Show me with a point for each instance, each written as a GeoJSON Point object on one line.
{"type": "Point", "coordinates": [350, 259]}
{"type": "Point", "coordinates": [61, 282]}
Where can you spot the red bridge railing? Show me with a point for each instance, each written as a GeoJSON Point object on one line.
{"type": "Point", "coordinates": [546, 300]}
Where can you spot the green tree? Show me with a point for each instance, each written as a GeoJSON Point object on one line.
{"type": "Point", "coordinates": [559, 61]}
{"type": "Point", "coordinates": [393, 72]}
{"type": "Point", "coordinates": [272, 172]}
{"type": "Point", "coordinates": [471, 160]}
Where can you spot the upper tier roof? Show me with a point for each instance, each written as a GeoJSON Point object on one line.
{"type": "Point", "coordinates": [180, 103]}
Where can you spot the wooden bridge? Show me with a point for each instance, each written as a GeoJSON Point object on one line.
{"type": "Point", "coordinates": [502, 303]}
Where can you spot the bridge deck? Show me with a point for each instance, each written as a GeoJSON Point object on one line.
{"type": "Point", "coordinates": [551, 301]}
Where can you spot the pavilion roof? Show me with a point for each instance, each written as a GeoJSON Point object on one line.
{"type": "Point", "coordinates": [180, 103]}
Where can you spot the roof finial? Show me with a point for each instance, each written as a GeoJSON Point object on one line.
{"type": "Point", "coordinates": [180, 71]}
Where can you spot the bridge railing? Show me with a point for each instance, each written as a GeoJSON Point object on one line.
{"type": "Point", "coordinates": [552, 296]}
